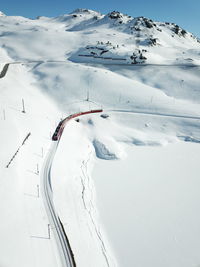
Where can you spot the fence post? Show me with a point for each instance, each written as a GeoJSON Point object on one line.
{"type": "Point", "coordinates": [23, 106]}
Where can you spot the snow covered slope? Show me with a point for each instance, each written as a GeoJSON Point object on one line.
{"type": "Point", "coordinates": [23, 216]}
{"type": "Point", "coordinates": [114, 37]}
{"type": "Point", "coordinates": [2, 14]}
{"type": "Point", "coordinates": [145, 75]}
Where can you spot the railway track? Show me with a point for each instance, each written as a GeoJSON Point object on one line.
{"type": "Point", "coordinates": [63, 245]}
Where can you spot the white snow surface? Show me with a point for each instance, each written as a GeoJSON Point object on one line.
{"type": "Point", "coordinates": [125, 184]}
{"type": "Point", "coordinates": [152, 205]}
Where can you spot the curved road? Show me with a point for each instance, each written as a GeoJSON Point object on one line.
{"type": "Point", "coordinates": [6, 66]}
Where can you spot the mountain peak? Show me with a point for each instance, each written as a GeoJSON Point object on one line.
{"type": "Point", "coordinates": [84, 11]}
{"type": "Point", "coordinates": [80, 10]}
{"type": "Point", "coordinates": [117, 15]}
{"type": "Point", "coordinates": [2, 14]}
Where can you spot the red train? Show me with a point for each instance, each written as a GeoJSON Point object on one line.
{"type": "Point", "coordinates": [59, 129]}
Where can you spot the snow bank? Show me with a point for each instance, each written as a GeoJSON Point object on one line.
{"type": "Point", "coordinates": [102, 151]}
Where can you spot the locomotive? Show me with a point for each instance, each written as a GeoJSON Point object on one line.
{"type": "Point", "coordinates": [59, 129]}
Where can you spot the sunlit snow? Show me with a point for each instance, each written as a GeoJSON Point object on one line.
{"type": "Point", "coordinates": [125, 182]}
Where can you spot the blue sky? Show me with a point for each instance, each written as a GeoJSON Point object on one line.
{"type": "Point", "coordinates": [183, 12]}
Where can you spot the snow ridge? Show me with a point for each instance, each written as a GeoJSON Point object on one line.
{"type": "Point", "coordinates": [1, 13]}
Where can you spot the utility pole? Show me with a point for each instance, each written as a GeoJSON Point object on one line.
{"type": "Point", "coordinates": [88, 95]}
{"type": "Point", "coordinates": [4, 114]}
{"type": "Point", "coordinates": [37, 172]}
{"type": "Point", "coordinates": [49, 231]}
{"type": "Point", "coordinates": [23, 107]}
{"type": "Point", "coordinates": [120, 96]}
{"type": "Point", "coordinates": [38, 191]}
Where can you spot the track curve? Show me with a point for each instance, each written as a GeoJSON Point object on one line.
{"type": "Point", "coordinates": [65, 252]}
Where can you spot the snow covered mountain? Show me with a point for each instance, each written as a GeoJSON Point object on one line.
{"type": "Point", "coordinates": [144, 41]}
{"type": "Point", "coordinates": [125, 183]}
{"type": "Point", "coordinates": [112, 37]}
{"type": "Point", "coordinates": [2, 14]}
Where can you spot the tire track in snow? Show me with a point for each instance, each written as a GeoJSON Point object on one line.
{"type": "Point", "coordinates": [89, 210]}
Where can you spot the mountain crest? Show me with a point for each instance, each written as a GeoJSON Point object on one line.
{"type": "Point", "coordinates": [84, 11]}
{"type": "Point", "coordinates": [2, 14]}
{"type": "Point", "coordinates": [118, 17]}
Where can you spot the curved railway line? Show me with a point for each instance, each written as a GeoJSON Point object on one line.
{"type": "Point", "coordinates": [63, 244]}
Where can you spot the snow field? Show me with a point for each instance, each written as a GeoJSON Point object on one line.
{"type": "Point", "coordinates": [120, 136]}
{"type": "Point", "coordinates": [148, 204]}
{"type": "Point", "coordinates": [141, 197]}
{"type": "Point", "coordinates": [24, 222]}
{"type": "Point", "coordinates": [74, 196]}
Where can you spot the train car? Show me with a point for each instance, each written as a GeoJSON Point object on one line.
{"type": "Point", "coordinates": [91, 111]}
{"type": "Point", "coordinates": [59, 129]}
{"type": "Point", "coordinates": [57, 134]}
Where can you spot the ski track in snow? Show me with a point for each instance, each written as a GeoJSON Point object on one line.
{"type": "Point", "coordinates": [89, 209]}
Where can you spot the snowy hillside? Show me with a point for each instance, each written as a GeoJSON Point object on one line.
{"type": "Point", "coordinates": [112, 38]}
{"type": "Point", "coordinates": [125, 181]}
{"type": "Point", "coordinates": [2, 14]}
{"type": "Point", "coordinates": [136, 40]}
